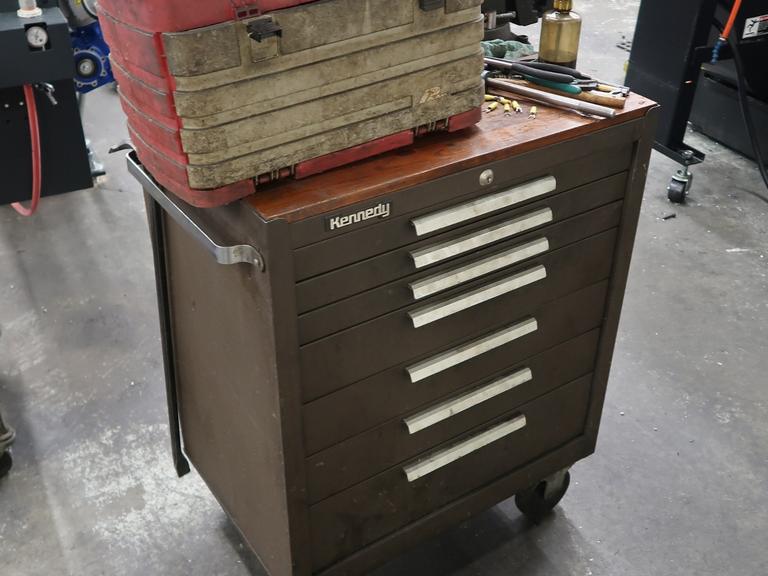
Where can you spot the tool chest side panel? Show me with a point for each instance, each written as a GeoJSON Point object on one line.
{"type": "Point", "coordinates": [232, 377]}
{"type": "Point", "coordinates": [620, 272]}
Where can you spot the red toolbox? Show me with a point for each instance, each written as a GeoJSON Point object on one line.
{"type": "Point", "coordinates": [226, 94]}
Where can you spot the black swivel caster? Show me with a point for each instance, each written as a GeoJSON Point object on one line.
{"type": "Point", "coordinates": [539, 500]}
{"type": "Point", "coordinates": [6, 463]}
{"type": "Point", "coordinates": [680, 186]}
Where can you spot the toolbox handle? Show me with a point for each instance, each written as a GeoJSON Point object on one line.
{"type": "Point", "coordinates": [225, 255]}
{"type": "Point", "coordinates": [467, 352]}
{"type": "Point", "coordinates": [448, 217]}
{"type": "Point", "coordinates": [457, 276]}
{"type": "Point", "coordinates": [434, 312]}
{"type": "Point", "coordinates": [445, 410]}
{"type": "Point", "coordinates": [442, 458]}
{"type": "Point", "coordinates": [507, 229]}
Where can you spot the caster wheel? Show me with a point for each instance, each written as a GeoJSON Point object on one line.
{"type": "Point", "coordinates": [6, 462]}
{"type": "Point", "coordinates": [679, 186]}
{"type": "Point", "coordinates": [538, 501]}
{"type": "Point", "coordinates": [676, 192]}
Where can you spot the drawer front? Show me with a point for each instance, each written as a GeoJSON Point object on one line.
{"type": "Point", "coordinates": [365, 404]}
{"type": "Point", "coordinates": [422, 255]}
{"type": "Point", "coordinates": [380, 225]}
{"type": "Point", "coordinates": [443, 418]}
{"type": "Point", "coordinates": [453, 274]}
{"type": "Point", "coordinates": [474, 308]}
{"type": "Point", "coordinates": [404, 493]}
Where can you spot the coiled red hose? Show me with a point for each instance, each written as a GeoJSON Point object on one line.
{"type": "Point", "coordinates": [37, 171]}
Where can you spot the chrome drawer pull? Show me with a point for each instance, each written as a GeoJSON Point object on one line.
{"type": "Point", "coordinates": [502, 231]}
{"type": "Point", "coordinates": [441, 458]}
{"type": "Point", "coordinates": [449, 408]}
{"type": "Point", "coordinates": [457, 276]}
{"type": "Point", "coordinates": [482, 206]}
{"type": "Point", "coordinates": [435, 312]}
{"type": "Point", "coordinates": [471, 350]}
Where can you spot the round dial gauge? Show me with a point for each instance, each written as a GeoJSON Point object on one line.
{"type": "Point", "coordinates": [37, 36]}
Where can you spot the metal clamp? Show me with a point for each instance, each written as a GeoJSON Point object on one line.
{"type": "Point", "coordinates": [226, 255]}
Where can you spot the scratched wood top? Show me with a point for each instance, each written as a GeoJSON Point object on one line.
{"type": "Point", "coordinates": [434, 156]}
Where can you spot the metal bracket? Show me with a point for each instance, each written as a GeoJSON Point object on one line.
{"type": "Point", "coordinates": [226, 255]}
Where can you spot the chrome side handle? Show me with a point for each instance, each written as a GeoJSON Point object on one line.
{"type": "Point", "coordinates": [507, 229]}
{"type": "Point", "coordinates": [445, 410]}
{"type": "Point", "coordinates": [440, 310]}
{"type": "Point", "coordinates": [457, 276]}
{"type": "Point", "coordinates": [442, 458]}
{"type": "Point", "coordinates": [482, 206]}
{"type": "Point", "coordinates": [464, 353]}
{"type": "Point", "coordinates": [226, 255]}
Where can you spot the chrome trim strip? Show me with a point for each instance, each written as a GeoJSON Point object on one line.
{"type": "Point", "coordinates": [440, 310]}
{"type": "Point", "coordinates": [449, 408]}
{"type": "Point", "coordinates": [471, 350]}
{"type": "Point", "coordinates": [483, 206]}
{"type": "Point", "coordinates": [442, 458]}
{"type": "Point", "coordinates": [452, 248]}
{"type": "Point", "coordinates": [452, 278]}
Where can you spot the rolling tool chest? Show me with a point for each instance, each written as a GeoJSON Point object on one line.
{"type": "Point", "coordinates": [361, 359]}
{"type": "Point", "coordinates": [224, 95]}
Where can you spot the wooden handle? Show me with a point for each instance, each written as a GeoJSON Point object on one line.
{"type": "Point", "coordinates": [586, 95]}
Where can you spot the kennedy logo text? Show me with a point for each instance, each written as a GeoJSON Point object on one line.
{"type": "Point", "coordinates": [383, 210]}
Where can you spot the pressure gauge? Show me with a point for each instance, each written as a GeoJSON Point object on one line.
{"type": "Point", "coordinates": [37, 37]}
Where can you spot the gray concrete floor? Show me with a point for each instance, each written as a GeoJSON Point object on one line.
{"type": "Point", "coordinates": [678, 484]}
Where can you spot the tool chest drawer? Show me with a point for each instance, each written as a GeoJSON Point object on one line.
{"type": "Point", "coordinates": [474, 238]}
{"type": "Point", "coordinates": [441, 418]}
{"type": "Point", "coordinates": [347, 521]}
{"type": "Point", "coordinates": [438, 280]}
{"type": "Point", "coordinates": [458, 201]}
{"type": "Point", "coordinates": [468, 360]}
{"type": "Point", "coordinates": [473, 308]}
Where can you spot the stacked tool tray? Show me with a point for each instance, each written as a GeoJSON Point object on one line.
{"type": "Point", "coordinates": [223, 95]}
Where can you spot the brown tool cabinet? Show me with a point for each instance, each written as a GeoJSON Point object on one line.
{"type": "Point", "coordinates": [358, 360]}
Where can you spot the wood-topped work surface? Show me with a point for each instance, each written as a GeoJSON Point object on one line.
{"type": "Point", "coordinates": [496, 137]}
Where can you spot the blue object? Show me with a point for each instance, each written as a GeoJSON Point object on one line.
{"type": "Point", "coordinates": [716, 50]}
{"type": "Point", "coordinates": [92, 67]}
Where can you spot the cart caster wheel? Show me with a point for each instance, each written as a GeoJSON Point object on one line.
{"type": "Point", "coordinates": [538, 501]}
{"type": "Point", "coordinates": [6, 462]}
{"type": "Point", "coordinates": [680, 186]}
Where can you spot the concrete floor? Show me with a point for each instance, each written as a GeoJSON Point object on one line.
{"type": "Point", "coordinates": [678, 485]}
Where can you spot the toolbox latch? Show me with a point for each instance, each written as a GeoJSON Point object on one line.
{"type": "Point", "coordinates": [263, 28]}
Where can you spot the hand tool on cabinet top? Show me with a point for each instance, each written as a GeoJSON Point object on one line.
{"type": "Point", "coordinates": [563, 80]}
{"type": "Point", "coordinates": [551, 99]}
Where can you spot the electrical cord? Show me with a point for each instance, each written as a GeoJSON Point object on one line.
{"type": "Point", "coordinates": [34, 136]}
{"type": "Point", "coordinates": [746, 114]}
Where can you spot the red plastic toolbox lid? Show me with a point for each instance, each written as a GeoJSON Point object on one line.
{"type": "Point", "coordinates": [179, 15]}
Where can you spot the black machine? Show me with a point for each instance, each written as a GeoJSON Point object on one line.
{"type": "Point", "coordinates": [499, 14]}
{"type": "Point", "coordinates": [678, 61]}
{"type": "Point", "coordinates": [37, 52]}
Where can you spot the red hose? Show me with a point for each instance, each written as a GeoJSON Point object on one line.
{"type": "Point", "coordinates": [731, 20]}
{"type": "Point", "coordinates": [37, 172]}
